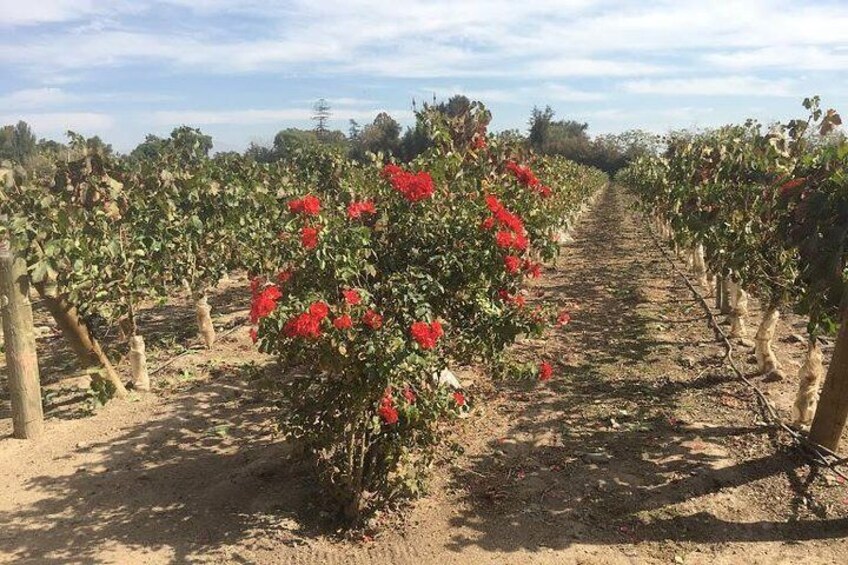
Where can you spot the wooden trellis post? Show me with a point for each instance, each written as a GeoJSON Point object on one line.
{"type": "Point", "coordinates": [19, 334]}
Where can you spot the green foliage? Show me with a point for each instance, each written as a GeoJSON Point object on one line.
{"type": "Point", "coordinates": [769, 206]}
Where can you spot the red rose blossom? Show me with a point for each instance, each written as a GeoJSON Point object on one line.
{"type": "Point", "coordinates": [512, 264]}
{"type": "Point", "coordinates": [372, 319]}
{"type": "Point", "coordinates": [505, 239]}
{"type": "Point", "coordinates": [309, 237]}
{"type": "Point", "coordinates": [264, 302]}
{"type": "Point", "coordinates": [303, 325]}
{"type": "Point", "coordinates": [524, 175]}
{"type": "Point", "coordinates": [319, 310]}
{"type": "Point", "coordinates": [493, 204]}
{"type": "Point", "coordinates": [545, 371]}
{"type": "Point", "coordinates": [311, 205]}
{"type": "Point", "coordinates": [352, 297]}
{"type": "Point", "coordinates": [387, 410]}
{"type": "Point", "coordinates": [356, 209]}
{"type": "Point", "coordinates": [343, 322]}
{"type": "Point", "coordinates": [426, 335]}
{"type": "Point", "coordinates": [414, 186]}
{"type": "Point", "coordinates": [390, 171]}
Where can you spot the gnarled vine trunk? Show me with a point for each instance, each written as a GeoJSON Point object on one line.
{"type": "Point", "coordinates": [738, 311]}
{"type": "Point", "coordinates": [766, 359]}
{"type": "Point", "coordinates": [809, 376]}
{"type": "Point", "coordinates": [86, 347]}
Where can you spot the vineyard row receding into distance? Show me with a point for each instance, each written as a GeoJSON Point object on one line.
{"type": "Point", "coordinates": [370, 280]}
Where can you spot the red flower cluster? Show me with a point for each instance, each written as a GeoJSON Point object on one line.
{"type": "Point", "coordinates": [479, 142]}
{"type": "Point", "coordinates": [524, 175]}
{"type": "Point", "coordinates": [512, 264]}
{"type": "Point", "coordinates": [307, 324]}
{"type": "Point", "coordinates": [352, 297]}
{"type": "Point", "coordinates": [309, 205]}
{"type": "Point", "coordinates": [390, 171]}
{"type": "Point", "coordinates": [545, 371]}
{"type": "Point", "coordinates": [387, 410]}
{"type": "Point", "coordinates": [343, 322]}
{"type": "Point", "coordinates": [517, 300]}
{"type": "Point", "coordinates": [459, 398]}
{"type": "Point", "coordinates": [534, 270]}
{"type": "Point", "coordinates": [372, 319]}
{"type": "Point", "coordinates": [513, 235]}
{"type": "Point", "coordinates": [413, 186]}
{"type": "Point", "coordinates": [544, 191]}
{"type": "Point", "coordinates": [264, 301]}
{"type": "Point", "coordinates": [563, 318]}
{"type": "Point", "coordinates": [356, 209]}
{"type": "Point", "coordinates": [309, 237]}
{"type": "Point", "coordinates": [426, 334]}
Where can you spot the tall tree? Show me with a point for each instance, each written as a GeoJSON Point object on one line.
{"type": "Point", "coordinates": [321, 115]}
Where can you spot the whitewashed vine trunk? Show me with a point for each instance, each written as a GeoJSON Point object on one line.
{"type": "Point", "coordinates": [739, 309]}
{"type": "Point", "coordinates": [138, 363]}
{"type": "Point", "coordinates": [809, 377]}
{"type": "Point", "coordinates": [766, 359]}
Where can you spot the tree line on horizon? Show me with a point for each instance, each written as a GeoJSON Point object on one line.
{"type": "Point", "coordinates": [384, 135]}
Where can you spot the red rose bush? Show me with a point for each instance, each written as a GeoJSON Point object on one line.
{"type": "Point", "coordinates": [393, 273]}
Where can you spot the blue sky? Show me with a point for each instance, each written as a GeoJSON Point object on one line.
{"type": "Point", "coordinates": [242, 70]}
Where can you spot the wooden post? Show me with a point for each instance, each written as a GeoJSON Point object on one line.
{"type": "Point", "coordinates": [832, 411]}
{"type": "Point", "coordinates": [21, 358]}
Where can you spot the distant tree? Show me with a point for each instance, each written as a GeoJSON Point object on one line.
{"type": "Point", "coordinates": [321, 114]}
{"type": "Point", "coordinates": [290, 139]}
{"type": "Point", "coordinates": [539, 123]}
{"type": "Point", "coordinates": [383, 134]}
{"type": "Point", "coordinates": [354, 130]}
{"type": "Point", "coordinates": [151, 148]}
{"type": "Point", "coordinates": [17, 142]}
{"type": "Point", "coordinates": [260, 153]}
{"type": "Point", "coordinates": [190, 143]}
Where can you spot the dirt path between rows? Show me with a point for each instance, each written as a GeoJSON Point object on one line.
{"type": "Point", "coordinates": [643, 449]}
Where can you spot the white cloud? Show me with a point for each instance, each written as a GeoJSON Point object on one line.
{"type": "Point", "coordinates": [534, 38]}
{"type": "Point", "coordinates": [34, 98]}
{"type": "Point", "coordinates": [550, 92]}
{"type": "Point", "coordinates": [263, 116]}
{"type": "Point", "coordinates": [712, 86]}
{"type": "Point", "coordinates": [56, 123]}
{"type": "Point", "coordinates": [782, 56]}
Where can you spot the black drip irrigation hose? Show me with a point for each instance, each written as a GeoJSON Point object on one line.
{"type": "Point", "coordinates": [816, 453]}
